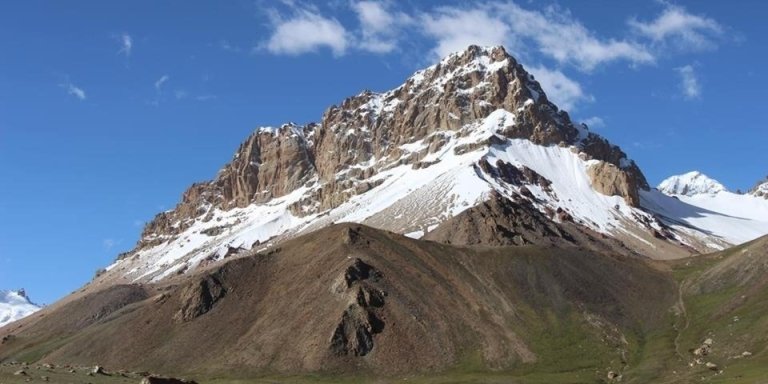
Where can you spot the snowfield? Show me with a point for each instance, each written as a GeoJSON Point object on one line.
{"type": "Point", "coordinates": [695, 200]}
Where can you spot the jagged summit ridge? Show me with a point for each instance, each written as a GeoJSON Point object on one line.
{"type": "Point", "coordinates": [690, 184]}
{"type": "Point", "coordinates": [367, 133]}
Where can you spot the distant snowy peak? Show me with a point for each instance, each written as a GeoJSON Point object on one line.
{"type": "Point", "coordinates": [760, 190]}
{"type": "Point", "coordinates": [15, 305]}
{"type": "Point", "coordinates": [690, 184]}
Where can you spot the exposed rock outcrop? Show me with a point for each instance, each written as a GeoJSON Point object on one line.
{"type": "Point", "coordinates": [199, 297]}
{"type": "Point", "coordinates": [354, 334]}
{"type": "Point", "coordinates": [270, 163]}
{"type": "Point", "coordinates": [610, 180]}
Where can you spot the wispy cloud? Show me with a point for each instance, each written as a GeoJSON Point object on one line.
{"type": "Point", "coordinates": [686, 30]}
{"type": "Point", "coordinates": [689, 82]}
{"type": "Point", "coordinates": [380, 25]}
{"type": "Point", "coordinates": [560, 89]}
{"type": "Point", "coordinates": [556, 34]}
{"type": "Point", "coordinates": [73, 90]}
{"type": "Point", "coordinates": [453, 29]}
{"type": "Point", "coordinates": [306, 30]}
{"type": "Point", "coordinates": [552, 32]}
{"type": "Point", "coordinates": [159, 83]}
{"type": "Point", "coordinates": [594, 122]}
{"type": "Point", "coordinates": [126, 45]}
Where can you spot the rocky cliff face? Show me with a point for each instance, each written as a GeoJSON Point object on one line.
{"type": "Point", "coordinates": [365, 135]}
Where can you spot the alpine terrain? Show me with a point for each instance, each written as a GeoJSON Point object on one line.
{"type": "Point", "coordinates": [457, 228]}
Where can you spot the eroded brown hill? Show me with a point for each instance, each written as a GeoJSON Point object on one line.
{"type": "Point", "coordinates": [353, 298]}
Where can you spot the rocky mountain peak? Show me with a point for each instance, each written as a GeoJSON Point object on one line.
{"type": "Point", "coordinates": [690, 184]}
{"type": "Point", "coordinates": [469, 102]}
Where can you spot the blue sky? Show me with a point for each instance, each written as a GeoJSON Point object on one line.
{"type": "Point", "coordinates": [109, 110]}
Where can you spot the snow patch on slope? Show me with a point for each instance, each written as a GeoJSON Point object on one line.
{"type": "Point", "coordinates": [571, 187]}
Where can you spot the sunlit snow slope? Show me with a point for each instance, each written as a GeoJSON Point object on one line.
{"type": "Point", "coordinates": [695, 200]}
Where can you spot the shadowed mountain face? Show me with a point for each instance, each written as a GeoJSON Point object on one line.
{"type": "Point", "coordinates": [352, 298]}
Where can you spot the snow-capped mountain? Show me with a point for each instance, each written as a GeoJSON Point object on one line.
{"type": "Point", "coordinates": [15, 305]}
{"type": "Point", "coordinates": [409, 159]}
{"type": "Point", "coordinates": [689, 184]}
{"type": "Point", "coordinates": [706, 204]}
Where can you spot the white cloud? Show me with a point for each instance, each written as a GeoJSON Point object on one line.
{"type": "Point", "coordinates": [455, 29]}
{"type": "Point", "coordinates": [380, 25]}
{"type": "Point", "coordinates": [689, 82]}
{"type": "Point", "coordinates": [126, 44]}
{"type": "Point", "coordinates": [565, 92]}
{"type": "Point", "coordinates": [557, 35]}
{"type": "Point", "coordinates": [552, 32]}
{"type": "Point", "coordinates": [594, 122]}
{"type": "Point", "coordinates": [307, 31]}
{"type": "Point", "coordinates": [159, 83]}
{"type": "Point", "coordinates": [74, 90]}
{"type": "Point", "coordinates": [686, 30]}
